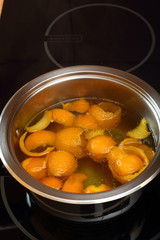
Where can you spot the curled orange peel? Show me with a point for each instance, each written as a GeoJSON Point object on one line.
{"type": "Point", "coordinates": [130, 141]}
{"type": "Point", "coordinates": [107, 114]}
{"type": "Point", "coordinates": [42, 123]}
{"type": "Point", "coordinates": [129, 177]}
{"type": "Point", "coordinates": [29, 153]}
{"type": "Point", "coordinates": [138, 143]}
{"type": "Point", "coordinates": [141, 131]}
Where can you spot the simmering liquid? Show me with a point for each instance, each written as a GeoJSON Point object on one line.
{"type": "Point", "coordinates": [98, 172]}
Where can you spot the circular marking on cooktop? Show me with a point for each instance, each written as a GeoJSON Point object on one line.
{"type": "Point", "coordinates": [11, 214]}
{"type": "Point", "coordinates": [59, 44]}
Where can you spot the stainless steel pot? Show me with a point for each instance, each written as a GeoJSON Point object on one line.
{"type": "Point", "coordinates": [77, 82]}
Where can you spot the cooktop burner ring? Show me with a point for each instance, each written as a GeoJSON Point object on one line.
{"type": "Point", "coordinates": [11, 214]}
{"type": "Point", "coordinates": [78, 37]}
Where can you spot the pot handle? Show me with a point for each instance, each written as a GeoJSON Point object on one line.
{"type": "Point", "coordinates": [3, 170]}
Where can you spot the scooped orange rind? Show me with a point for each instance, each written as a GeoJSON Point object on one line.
{"type": "Point", "coordinates": [99, 146]}
{"type": "Point", "coordinates": [115, 162]}
{"type": "Point", "coordinates": [71, 140]}
{"type": "Point", "coordinates": [75, 183]}
{"type": "Point", "coordinates": [107, 114]}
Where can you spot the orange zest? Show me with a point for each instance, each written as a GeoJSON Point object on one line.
{"type": "Point", "coordinates": [74, 183]}
{"type": "Point", "coordinates": [94, 189]}
{"type": "Point", "coordinates": [36, 167]}
{"type": "Point", "coordinates": [53, 182]}
{"type": "Point", "coordinates": [61, 164]}
{"type": "Point", "coordinates": [107, 114]}
{"type": "Point", "coordinates": [29, 153]}
{"type": "Point", "coordinates": [99, 146]}
{"type": "Point", "coordinates": [41, 138]}
{"type": "Point", "coordinates": [42, 123]}
{"type": "Point", "coordinates": [80, 106]}
{"type": "Point", "coordinates": [63, 117]}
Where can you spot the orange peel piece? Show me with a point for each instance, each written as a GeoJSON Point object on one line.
{"type": "Point", "coordinates": [99, 146]}
{"type": "Point", "coordinates": [107, 114]}
{"type": "Point", "coordinates": [80, 106]}
{"type": "Point", "coordinates": [74, 183]}
{"type": "Point", "coordinates": [85, 121]}
{"type": "Point", "coordinates": [29, 153]}
{"type": "Point", "coordinates": [63, 117]}
{"type": "Point", "coordinates": [40, 138]}
{"type": "Point", "coordinates": [53, 182]}
{"type": "Point", "coordinates": [138, 143]}
{"type": "Point", "coordinates": [141, 131]}
{"type": "Point", "coordinates": [94, 189]}
{"type": "Point", "coordinates": [127, 162]}
{"type": "Point", "coordinates": [36, 167]}
{"type": "Point", "coordinates": [130, 141]}
{"type": "Point", "coordinates": [42, 123]}
{"type": "Point", "coordinates": [93, 133]}
{"type": "Point", "coordinates": [71, 140]}
{"type": "Point", "coordinates": [61, 163]}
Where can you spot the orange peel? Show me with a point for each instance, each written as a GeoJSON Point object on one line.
{"type": "Point", "coordinates": [53, 182]}
{"type": "Point", "coordinates": [42, 123]}
{"type": "Point", "coordinates": [85, 121]}
{"type": "Point", "coordinates": [130, 141]}
{"type": "Point", "coordinates": [141, 131]}
{"type": "Point", "coordinates": [127, 162]}
{"type": "Point", "coordinates": [107, 114]}
{"type": "Point", "coordinates": [40, 138]}
{"type": "Point", "coordinates": [99, 146]}
{"type": "Point", "coordinates": [74, 183]}
{"type": "Point", "coordinates": [94, 189]}
{"type": "Point", "coordinates": [71, 140]}
{"type": "Point", "coordinates": [63, 117]}
{"type": "Point", "coordinates": [80, 106]}
{"type": "Point", "coordinates": [36, 167]}
{"type": "Point", "coordinates": [138, 143]}
{"type": "Point", "coordinates": [61, 163]}
{"type": "Point", "coordinates": [29, 153]}
{"type": "Point", "coordinates": [93, 133]}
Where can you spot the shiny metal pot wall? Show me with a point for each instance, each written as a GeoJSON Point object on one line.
{"type": "Point", "coordinates": [77, 82]}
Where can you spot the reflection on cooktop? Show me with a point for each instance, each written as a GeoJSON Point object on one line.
{"type": "Point", "coordinates": [100, 34]}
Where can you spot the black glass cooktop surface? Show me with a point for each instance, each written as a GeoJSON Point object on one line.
{"type": "Point", "coordinates": [38, 36]}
